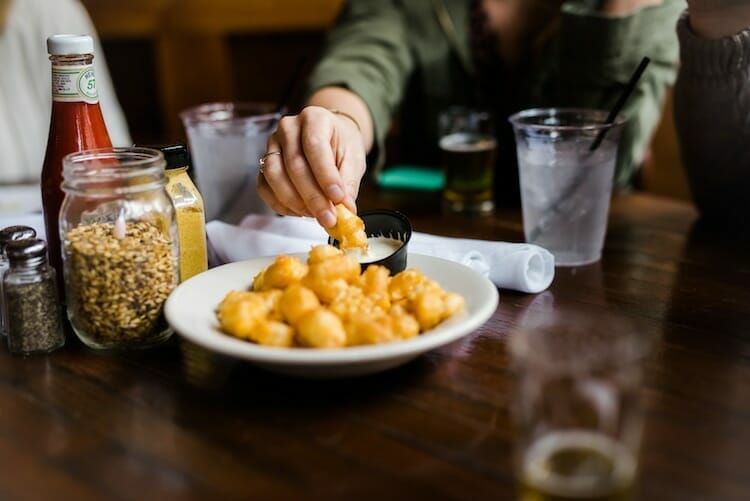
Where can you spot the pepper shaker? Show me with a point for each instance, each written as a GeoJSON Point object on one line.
{"type": "Point", "coordinates": [34, 316]}
{"type": "Point", "coordinates": [8, 235]}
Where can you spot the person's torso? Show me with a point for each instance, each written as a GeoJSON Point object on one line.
{"type": "Point", "coordinates": [446, 74]}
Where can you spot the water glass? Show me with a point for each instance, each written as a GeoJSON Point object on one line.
{"type": "Point", "coordinates": [226, 140]}
{"type": "Point", "coordinates": [566, 171]}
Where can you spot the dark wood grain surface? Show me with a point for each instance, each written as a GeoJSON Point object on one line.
{"type": "Point", "coordinates": [178, 423]}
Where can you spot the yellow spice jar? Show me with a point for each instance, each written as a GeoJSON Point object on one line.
{"type": "Point", "coordinates": [189, 211]}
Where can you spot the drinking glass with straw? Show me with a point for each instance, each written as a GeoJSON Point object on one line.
{"type": "Point", "coordinates": [566, 162]}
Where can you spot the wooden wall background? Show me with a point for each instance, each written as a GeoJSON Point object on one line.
{"type": "Point", "coordinates": [168, 55]}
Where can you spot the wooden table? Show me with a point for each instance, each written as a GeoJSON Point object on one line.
{"type": "Point", "coordinates": [143, 425]}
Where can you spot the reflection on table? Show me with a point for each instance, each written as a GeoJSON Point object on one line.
{"type": "Point", "coordinates": [179, 422]}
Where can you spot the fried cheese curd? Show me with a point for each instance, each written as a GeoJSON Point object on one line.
{"type": "Point", "coordinates": [328, 302]}
{"type": "Point", "coordinates": [349, 229]}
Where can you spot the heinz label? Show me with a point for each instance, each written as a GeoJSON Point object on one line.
{"type": "Point", "coordinates": [74, 84]}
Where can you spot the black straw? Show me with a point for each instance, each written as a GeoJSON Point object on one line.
{"type": "Point", "coordinates": [621, 102]}
{"type": "Point", "coordinates": [575, 184]}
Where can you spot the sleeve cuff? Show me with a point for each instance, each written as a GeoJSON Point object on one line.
{"type": "Point", "coordinates": [709, 58]}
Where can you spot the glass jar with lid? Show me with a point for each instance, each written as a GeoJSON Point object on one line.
{"type": "Point", "coordinates": [120, 248]}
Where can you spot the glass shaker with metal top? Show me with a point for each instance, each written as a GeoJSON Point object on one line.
{"type": "Point", "coordinates": [34, 313]}
{"type": "Point", "coordinates": [9, 234]}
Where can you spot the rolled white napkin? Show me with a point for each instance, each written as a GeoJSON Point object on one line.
{"type": "Point", "coordinates": [520, 267]}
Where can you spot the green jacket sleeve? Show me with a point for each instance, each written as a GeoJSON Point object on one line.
{"type": "Point", "coordinates": [368, 53]}
{"type": "Point", "coordinates": [599, 53]}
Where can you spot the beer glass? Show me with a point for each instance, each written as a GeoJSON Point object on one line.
{"type": "Point", "coordinates": [468, 148]}
{"type": "Point", "coordinates": [577, 411]}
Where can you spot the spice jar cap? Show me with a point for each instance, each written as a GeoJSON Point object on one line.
{"type": "Point", "coordinates": [68, 45]}
{"type": "Point", "coordinates": [176, 155]}
{"type": "Point", "coordinates": [11, 233]}
{"type": "Point", "coordinates": [21, 250]}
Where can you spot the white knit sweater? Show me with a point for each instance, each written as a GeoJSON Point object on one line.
{"type": "Point", "coordinates": [712, 116]}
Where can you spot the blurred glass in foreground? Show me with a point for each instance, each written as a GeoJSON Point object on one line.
{"type": "Point", "coordinates": [577, 409]}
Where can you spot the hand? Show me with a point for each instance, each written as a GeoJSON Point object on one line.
{"type": "Point", "coordinates": [718, 18]}
{"type": "Point", "coordinates": [322, 162]}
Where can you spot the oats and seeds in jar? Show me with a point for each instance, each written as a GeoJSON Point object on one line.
{"type": "Point", "coordinates": [120, 247]}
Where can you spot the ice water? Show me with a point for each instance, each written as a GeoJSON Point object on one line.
{"type": "Point", "coordinates": [225, 168]}
{"type": "Point", "coordinates": [565, 193]}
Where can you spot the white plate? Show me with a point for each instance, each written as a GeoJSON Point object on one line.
{"type": "Point", "coordinates": [190, 310]}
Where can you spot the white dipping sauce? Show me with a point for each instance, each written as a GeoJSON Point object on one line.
{"type": "Point", "coordinates": [377, 249]}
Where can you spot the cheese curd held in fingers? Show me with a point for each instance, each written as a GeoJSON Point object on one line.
{"type": "Point", "coordinates": [349, 230]}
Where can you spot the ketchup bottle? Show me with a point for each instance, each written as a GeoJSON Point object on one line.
{"type": "Point", "coordinates": [76, 124]}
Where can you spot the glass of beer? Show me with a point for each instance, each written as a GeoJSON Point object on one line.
{"type": "Point", "coordinates": [576, 409]}
{"type": "Point", "coordinates": [468, 148]}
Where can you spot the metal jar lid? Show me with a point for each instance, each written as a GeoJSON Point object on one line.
{"type": "Point", "coordinates": [24, 250]}
{"type": "Point", "coordinates": [12, 233]}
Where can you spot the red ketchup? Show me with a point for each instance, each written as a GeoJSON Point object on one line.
{"type": "Point", "coordinates": [76, 124]}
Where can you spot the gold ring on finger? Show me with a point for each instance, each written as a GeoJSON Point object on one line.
{"type": "Point", "coordinates": [262, 160]}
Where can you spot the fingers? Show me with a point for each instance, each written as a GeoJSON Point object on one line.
{"type": "Point", "coordinates": [352, 169]}
{"type": "Point", "coordinates": [317, 132]}
{"type": "Point", "coordinates": [321, 163]}
{"type": "Point", "coordinates": [291, 135]}
{"type": "Point", "coordinates": [275, 187]}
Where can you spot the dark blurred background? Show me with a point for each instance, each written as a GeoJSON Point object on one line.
{"type": "Point", "coordinates": [168, 55]}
